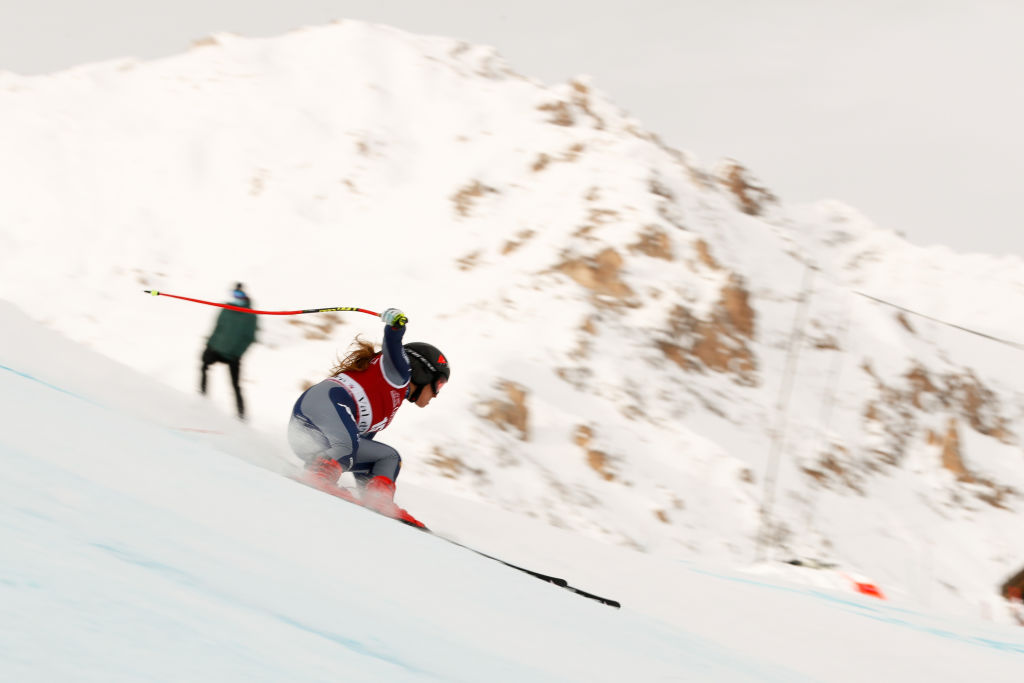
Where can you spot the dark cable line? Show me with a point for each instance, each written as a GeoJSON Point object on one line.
{"type": "Point", "coordinates": [1016, 345]}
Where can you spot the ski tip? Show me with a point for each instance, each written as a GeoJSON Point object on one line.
{"type": "Point", "coordinates": [421, 526]}
{"type": "Point", "coordinates": [604, 601]}
{"type": "Point", "coordinates": [151, 291]}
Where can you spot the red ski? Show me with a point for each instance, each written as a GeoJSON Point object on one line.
{"type": "Point", "coordinates": [351, 495]}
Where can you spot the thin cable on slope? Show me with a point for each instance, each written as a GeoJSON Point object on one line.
{"type": "Point", "coordinates": [1016, 345]}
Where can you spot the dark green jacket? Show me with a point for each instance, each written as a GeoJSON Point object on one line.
{"type": "Point", "coordinates": [233, 334]}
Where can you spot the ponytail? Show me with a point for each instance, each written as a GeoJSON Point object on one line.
{"type": "Point", "coordinates": [359, 357]}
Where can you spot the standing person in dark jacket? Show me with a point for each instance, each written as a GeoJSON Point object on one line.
{"type": "Point", "coordinates": [233, 334]}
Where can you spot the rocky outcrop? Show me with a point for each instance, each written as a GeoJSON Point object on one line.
{"type": "Point", "coordinates": [466, 196]}
{"type": "Point", "coordinates": [509, 412]}
{"type": "Point", "coordinates": [720, 343]}
{"type": "Point", "coordinates": [749, 195]}
{"type": "Point", "coordinates": [601, 275]}
{"type": "Point", "coordinates": [598, 460]}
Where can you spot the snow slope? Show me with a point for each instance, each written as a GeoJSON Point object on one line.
{"type": "Point", "coordinates": [136, 551]}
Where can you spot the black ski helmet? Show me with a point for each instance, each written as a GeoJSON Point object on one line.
{"type": "Point", "coordinates": [428, 366]}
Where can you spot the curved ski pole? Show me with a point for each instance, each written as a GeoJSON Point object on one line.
{"type": "Point", "coordinates": [561, 583]}
{"type": "Point", "coordinates": [343, 493]}
{"type": "Point", "coordinates": [255, 312]}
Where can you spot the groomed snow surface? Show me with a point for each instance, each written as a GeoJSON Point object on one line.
{"type": "Point", "coordinates": [146, 537]}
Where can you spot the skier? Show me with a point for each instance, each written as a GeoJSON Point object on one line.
{"type": "Point", "coordinates": [231, 336]}
{"type": "Point", "coordinates": [334, 422]}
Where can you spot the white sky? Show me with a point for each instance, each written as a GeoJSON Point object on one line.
{"type": "Point", "coordinates": [908, 111]}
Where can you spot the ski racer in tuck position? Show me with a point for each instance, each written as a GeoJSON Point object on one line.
{"type": "Point", "coordinates": [334, 422]}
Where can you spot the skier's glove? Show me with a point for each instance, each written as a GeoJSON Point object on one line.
{"type": "Point", "coordinates": [394, 318]}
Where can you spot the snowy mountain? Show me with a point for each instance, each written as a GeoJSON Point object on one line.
{"type": "Point", "coordinates": [646, 350]}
